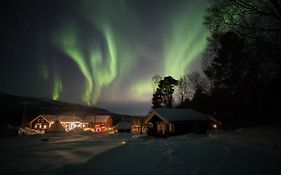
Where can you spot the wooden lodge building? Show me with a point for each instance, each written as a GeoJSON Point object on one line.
{"type": "Point", "coordinates": [99, 122]}
{"type": "Point", "coordinates": [174, 121]}
{"type": "Point", "coordinates": [44, 122]}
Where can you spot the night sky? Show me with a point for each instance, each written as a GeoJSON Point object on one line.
{"type": "Point", "coordinates": [98, 52]}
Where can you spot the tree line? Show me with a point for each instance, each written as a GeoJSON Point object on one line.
{"type": "Point", "coordinates": [241, 65]}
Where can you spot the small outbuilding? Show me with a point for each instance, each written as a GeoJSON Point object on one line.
{"type": "Point", "coordinates": [174, 121]}
{"type": "Point", "coordinates": [122, 127]}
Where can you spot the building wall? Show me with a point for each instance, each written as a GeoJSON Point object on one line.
{"type": "Point", "coordinates": [109, 122]}
{"type": "Point", "coordinates": [185, 127]}
{"type": "Point", "coordinates": [39, 124]}
{"type": "Point", "coordinates": [163, 128]}
{"type": "Point", "coordinates": [152, 129]}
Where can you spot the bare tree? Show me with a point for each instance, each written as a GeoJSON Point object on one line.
{"type": "Point", "coordinates": [198, 83]}
{"type": "Point", "coordinates": [184, 91]}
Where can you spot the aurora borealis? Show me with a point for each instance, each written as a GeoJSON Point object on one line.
{"type": "Point", "coordinates": [100, 52]}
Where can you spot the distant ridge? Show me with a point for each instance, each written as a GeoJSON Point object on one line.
{"type": "Point", "coordinates": [14, 108]}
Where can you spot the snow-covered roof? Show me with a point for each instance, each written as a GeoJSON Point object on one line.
{"type": "Point", "coordinates": [97, 118]}
{"type": "Point", "coordinates": [175, 114]}
{"type": "Point", "coordinates": [62, 118]}
{"type": "Point", "coordinates": [51, 118]}
{"type": "Point", "coordinates": [123, 125]}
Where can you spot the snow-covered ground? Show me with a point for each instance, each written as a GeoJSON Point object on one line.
{"type": "Point", "coordinates": [30, 155]}
{"type": "Point", "coordinates": [245, 151]}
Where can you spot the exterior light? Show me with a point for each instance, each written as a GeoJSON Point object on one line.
{"type": "Point", "coordinates": [215, 126]}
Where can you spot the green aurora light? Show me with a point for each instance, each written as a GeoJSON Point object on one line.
{"type": "Point", "coordinates": [184, 40]}
{"type": "Point", "coordinates": [57, 88]}
{"type": "Point", "coordinates": [97, 73]}
{"type": "Point", "coordinates": [110, 59]}
{"type": "Point", "coordinates": [68, 42]}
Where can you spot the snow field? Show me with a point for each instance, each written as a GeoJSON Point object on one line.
{"type": "Point", "coordinates": [244, 151]}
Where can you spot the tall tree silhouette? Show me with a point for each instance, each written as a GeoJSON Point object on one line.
{"type": "Point", "coordinates": [163, 97]}
{"type": "Point", "coordinates": [243, 60]}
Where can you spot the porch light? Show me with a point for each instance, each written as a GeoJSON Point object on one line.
{"type": "Point", "coordinates": [215, 126]}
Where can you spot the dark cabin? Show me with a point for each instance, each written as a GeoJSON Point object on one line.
{"type": "Point", "coordinates": [172, 121]}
